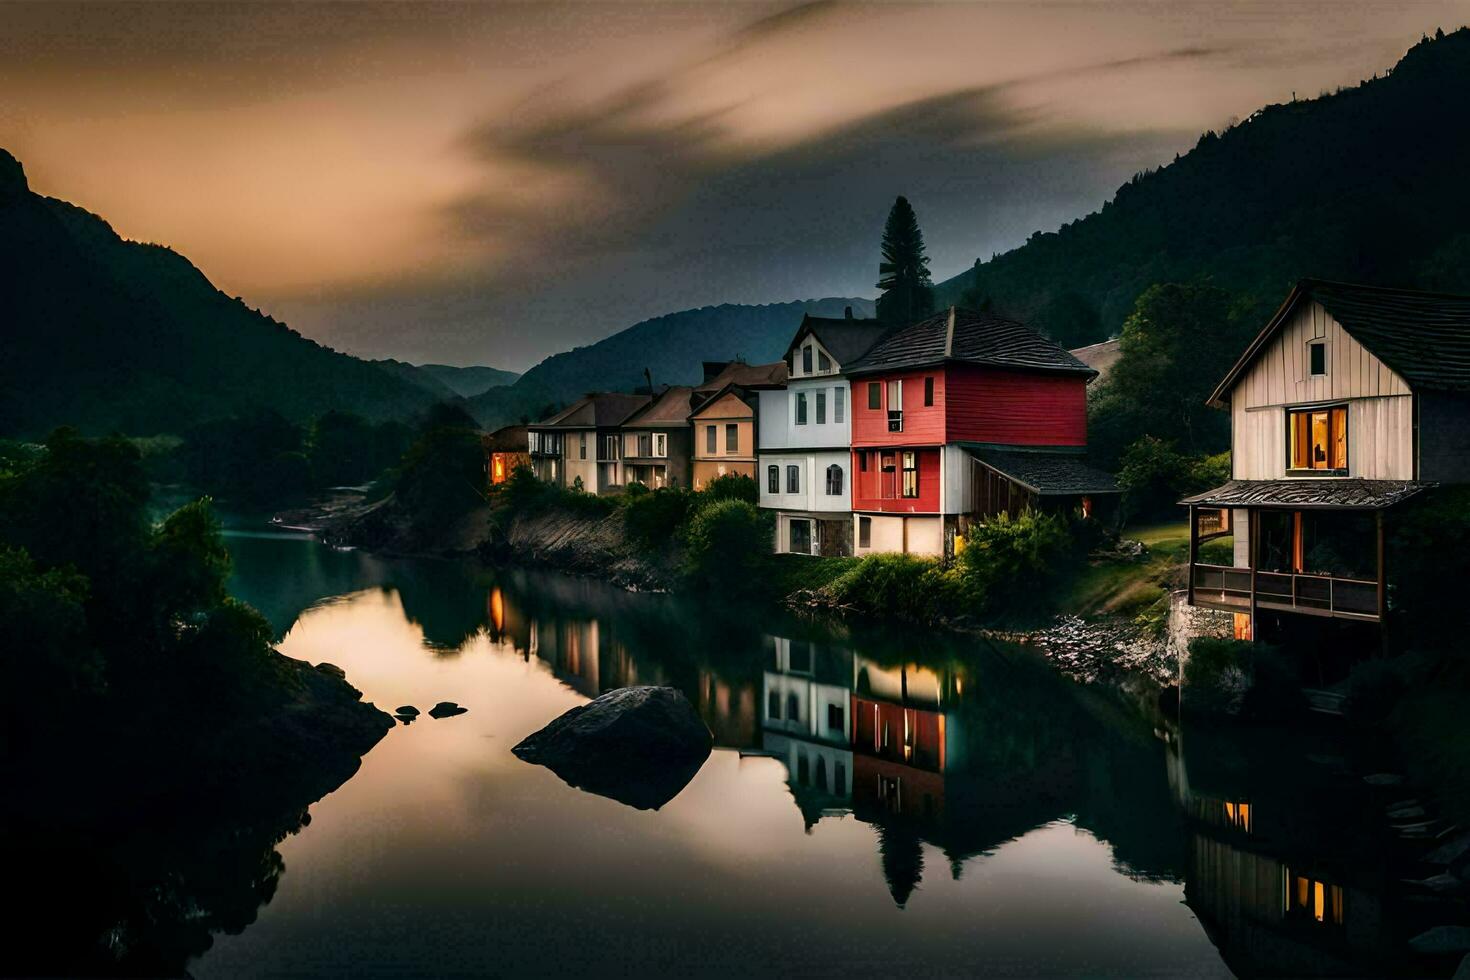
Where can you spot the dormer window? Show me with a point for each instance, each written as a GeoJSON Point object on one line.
{"type": "Point", "coordinates": [824, 363]}
{"type": "Point", "coordinates": [806, 359]}
{"type": "Point", "coordinates": [1317, 358]}
{"type": "Point", "coordinates": [1317, 439]}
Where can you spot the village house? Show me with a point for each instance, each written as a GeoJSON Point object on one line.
{"type": "Point", "coordinates": [505, 452]}
{"type": "Point", "coordinates": [581, 446]}
{"type": "Point", "coordinates": [1351, 400]}
{"type": "Point", "coordinates": [961, 417]}
{"type": "Point", "coordinates": [656, 441]}
{"type": "Point", "coordinates": [805, 437]}
{"type": "Point", "coordinates": [723, 421]}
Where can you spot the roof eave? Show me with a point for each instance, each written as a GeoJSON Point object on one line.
{"type": "Point", "coordinates": [1219, 398]}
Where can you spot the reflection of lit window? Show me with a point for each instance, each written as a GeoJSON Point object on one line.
{"type": "Point", "coordinates": [1238, 815]}
{"type": "Point", "coordinates": [497, 610]}
{"type": "Point", "coordinates": [1314, 901]}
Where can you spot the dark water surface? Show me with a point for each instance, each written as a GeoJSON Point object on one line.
{"type": "Point", "coordinates": [875, 803]}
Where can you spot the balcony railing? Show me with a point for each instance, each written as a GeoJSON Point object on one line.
{"type": "Point", "coordinates": [1320, 595]}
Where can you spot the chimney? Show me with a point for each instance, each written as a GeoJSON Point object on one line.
{"type": "Point", "coordinates": [847, 313]}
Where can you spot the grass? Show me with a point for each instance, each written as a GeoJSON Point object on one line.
{"type": "Point", "coordinates": [1116, 587]}
{"type": "Point", "coordinates": [790, 573]}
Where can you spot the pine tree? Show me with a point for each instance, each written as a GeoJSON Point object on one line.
{"type": "Point", "coordinates": [903, 275]}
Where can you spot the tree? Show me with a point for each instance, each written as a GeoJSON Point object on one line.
{"type": "Point", "coordinates": [903, 275]}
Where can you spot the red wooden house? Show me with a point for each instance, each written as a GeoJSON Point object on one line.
{"type": "Point", "coordinates": [959, 417]}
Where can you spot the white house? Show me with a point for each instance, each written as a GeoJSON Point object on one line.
{"type": "Point", "coordinates": [804, 444]}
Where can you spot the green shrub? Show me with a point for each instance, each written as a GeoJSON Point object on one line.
{"type": "Point", "coordinates": [903, 587]}
{"type": "Point", "coordinates": [724, 542]}
{"type": "Point", "coordinates": [1016, 564]}
{"type": "Point", "coordinates": [732, 486]}
{"type": "Point", "coordinates": [441, 476]}
{"type": "Point", "coordinates": [653, 518]}
{"type": "Point", "coordinates": [1154, 475]}
{"type": "Point", "coordinates": [524, 492]}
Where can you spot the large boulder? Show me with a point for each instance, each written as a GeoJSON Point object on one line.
{"type": "Point", "coordinates": [636, 745]}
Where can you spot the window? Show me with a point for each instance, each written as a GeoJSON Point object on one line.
{"type": "Point", "coordinates": [835, 717]}
{"type": "Point", "coordinates": [582, 447]}
{"type": "Point", "coordinates": [609, 447]}
{"type": "Point", "coordinates": [895, 406]}
{"type": "Point", "coordinates": [660, 443]}
{"type": "Point", "coordinates": [1238, 815]}
{"type": "Point", "coordinates": [1313, 901]}
{"type": "Point", "coordinates": [834, 480]}
{"type": "Point", "coordinates": [1317, 352]}
{"type": "Point", "coordinates": [1317, 439]}
{"type": "Point", "coordinates": [773, 706]}
{"type": "Point", "coordinates": [801, 408]}
{"type": "Point", "coordinates": [928, 392]}
{"type": "Point", "coordinates": [875, 395]}
{"type": "Point", "coordinates": [709, 439]}
{"type": "Point", "coordinates": [863, 462]}
{"type": "Point", "coordinates": [732, 437]}
{"type": "Point", "coordinates": [865, 532]}
{"type": "Point", "coordinates": [773, 479]}
{"type": "Point", "coordinates": [806, 359]}
{"type": "Point", "coordinates": [645, 444]}
{"type": "Point", "coordinates": [824, 363]}
{"type": "Point", "coordinates": [801, 544]}
{"type": "Point", "coordinates": [910, 474]}
{"type": "Point", "coordinates": [793, 712]}
{"type": "Point", "coordinates": [839, 405]}
{"type": "Point", "coordinates": [793, 479]}
{"type": "Point", "coordinates": [821, 408]}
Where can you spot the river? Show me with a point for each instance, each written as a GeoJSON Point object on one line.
{"type": "Point", "coordinates": [876, 803]}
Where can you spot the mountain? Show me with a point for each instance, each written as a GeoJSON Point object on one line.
{"type": "Point", "coordinates": [107, 334]}
{"type": "Point", "coordinates": [1365, 185]}
{"type": "Point", "coordinates": [672, 347]}
{"type": "Point", "coordinates": [468, 382]}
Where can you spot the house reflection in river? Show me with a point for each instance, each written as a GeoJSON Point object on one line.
{"type": "Point", "coordinates": [1288, 865]}
{"type": "Point", "coordinates": [806, 723]}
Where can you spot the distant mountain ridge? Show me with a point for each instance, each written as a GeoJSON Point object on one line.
{"type": "Point", "coordinates": [107, 334]}
{"type": "Point", "coordinates": [1364, 185]}
{"type": "Point", "coordinates": [469, 381]}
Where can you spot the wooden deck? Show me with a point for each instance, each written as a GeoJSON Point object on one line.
{"type": "Point", "coordinates": [1231, 590]}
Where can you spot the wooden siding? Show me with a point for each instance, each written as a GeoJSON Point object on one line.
{"type": "Point", "coordinates": [870, 493]}
{"type": "Point", "coordinates": [727, 406]}
{"type": "Point", "coordinates": [922, 425]}
{"type": "Point", "coordinates": [1014, 408]}
{"type": "Point", "coordinates": [1380, 404]}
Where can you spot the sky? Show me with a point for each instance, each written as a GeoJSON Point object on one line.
{"type": "Point", "coordinates": [492, 183]}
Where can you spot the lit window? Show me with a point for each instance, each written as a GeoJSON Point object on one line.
{"type": "Point", "coordinates": [1318, 438]}
{"type": "Point", "coordinates": [910, 474]}
{"type": "Point", "coordinates": [1238, 815]}
{"type": "Point", "coordinates": [1310, 900]}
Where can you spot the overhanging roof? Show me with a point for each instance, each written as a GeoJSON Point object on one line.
{"type": "Point", "coordinates": [1336, 494]}
{"type": "Point", "coordinates": [967, 336]}
{"type": "Point", "coordinates": [1422, 337]}
{"type": "Point", "coordinates": [1048, 473]}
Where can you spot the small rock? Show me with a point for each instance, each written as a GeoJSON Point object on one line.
{"type": "Point", "coordinates": [446, 709]}
{"type": "Point", "coordinates": [406, 709]}
{"type": "Point", "coordinates": [333, 670]}
{"type": "Point", "coordinates": [1442, 939]}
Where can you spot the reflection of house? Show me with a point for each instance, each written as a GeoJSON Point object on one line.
{"type": "Point", "coordinates": [928, 397]}
{"type": "Point", "coordinates": [723, 422]}
{"type": "Point", "coordinates": [805, 437]}
{"type": "Point", "coordinates": [1347, 403]}
{"type": "Point", "coordinates": [806, 722]}
{"type": "Point", "coordinates": [505, 450]}
{"type": "Point", "coordinates": [580, 446]}
{"type": "Point", "coordinates": [656, 444]}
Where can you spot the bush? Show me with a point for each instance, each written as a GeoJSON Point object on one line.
{"type": "Point", "coordinates": [442, 475]}
{"type": "Point", "coordinates": [1154, 476]}
{"type": "Point", "coordinates": [723, 543]}
{"type": "Point", "coordinates": [1015, 564]}
{"type": "Point", "coordinates": [901, 586]}
{"type": "Point", "coordinates": [653, 518]}
{"type": "Point", "coordinates": [732, 486]}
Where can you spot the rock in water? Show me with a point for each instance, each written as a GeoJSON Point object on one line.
{"type": "Point", "coordinates": [636, 745]}
{"type": "Point", "coordinates": [406, 709]}
{"type": "Point", "coordinates": [446, 709]}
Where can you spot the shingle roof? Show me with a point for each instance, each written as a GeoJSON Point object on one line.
{"type": "Point", "coordinates": [1423, 337]}
{"type": "Point", "coordinates": [771, 375]}
{"type": "Point", "coordinates": [508, 439]}
{"type": "Point", "coordinates": [1100, 357]}
{"type": "Point", "coordinates": [597, 410]}
{"type": "Point", "coordinates": [1048, 473]}
{"type": "Point", "coordinates": [965, 335]}
{"type": "Point", "coordinates": [669, 408]}
{"type": "Point", "coordinates": [739, 391]}
{"type": "Point", "coordinates": [1344, 494]}
{"type": "Point", "coordinates": [846, 338]}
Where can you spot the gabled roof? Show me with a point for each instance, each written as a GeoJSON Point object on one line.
{"type": "Point", "coordinates": [508, 439]}
{"type": "Point", "coordinates": [1048, 473]}
{"type": "Point", "coordinates": [739, 391]}
{"type": "Point", "coordinates": [1422, 337]}
{"type": "Point", "coordinates": [1337, 494]}
{"type": "Point", "coordinates": [1100, 357]}
{"type": "Point", "coordinates": [970, 337]}
{"type": "Point", "coordinates": [594, 411]}
{"type": "Point", "coordinates": [670, 408]}
{"type": "Point", "coordinates": [845, 338]}
{"type": "Point", "coordinates": [747, 376]}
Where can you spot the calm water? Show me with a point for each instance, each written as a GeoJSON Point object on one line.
{"type": "Point", "coordinates": [874, 804]}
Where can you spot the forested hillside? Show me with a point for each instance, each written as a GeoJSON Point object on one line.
{"type": "Point", "coordinates": [1366, 184]}
{"type": "Point", "coordinates": [106, 334]}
